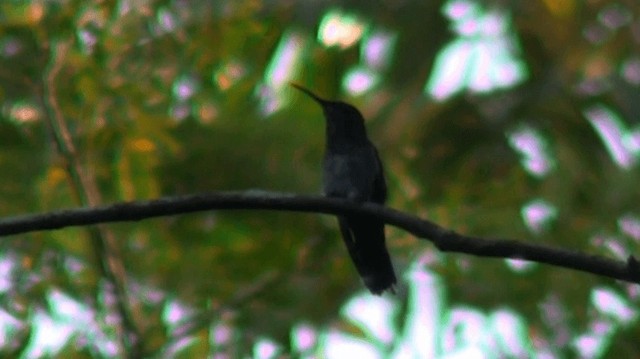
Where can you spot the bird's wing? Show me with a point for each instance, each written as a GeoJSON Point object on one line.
{"type": "Point", "coordinates": [350, 242]}
{"type": "Point", "coordinates": [379, 193]}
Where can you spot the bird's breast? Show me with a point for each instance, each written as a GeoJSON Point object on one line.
{"type": "Point", "coordinates": [350, 175]}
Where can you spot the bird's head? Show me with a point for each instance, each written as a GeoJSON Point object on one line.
{"type": "Point", "coordinates": [343, 120]}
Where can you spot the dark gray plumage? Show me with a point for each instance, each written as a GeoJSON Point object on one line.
{"type": "Point", "coordinates": [352, 170]}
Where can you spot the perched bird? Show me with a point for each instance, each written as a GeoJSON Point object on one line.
{"type": "Point", "coordinates": [352, 170]}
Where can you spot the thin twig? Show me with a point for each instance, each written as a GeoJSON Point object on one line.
{"type": "Point", "coordinates": [85, 188]}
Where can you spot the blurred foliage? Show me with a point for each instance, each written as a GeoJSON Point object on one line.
{"type": "Point", "coordinates": [167, 97]}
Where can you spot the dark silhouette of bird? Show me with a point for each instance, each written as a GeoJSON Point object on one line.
{"type": "Point", "coordinates": [352, 170]}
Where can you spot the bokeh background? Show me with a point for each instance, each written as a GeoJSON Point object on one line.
{"type": "Point", "coordinates": [496, 118]}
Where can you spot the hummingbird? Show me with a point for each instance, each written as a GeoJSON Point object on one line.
{"type": "Point", "coordinates": [352, 170]}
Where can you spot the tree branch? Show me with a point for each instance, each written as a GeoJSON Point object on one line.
{"type": "Point", "coordinates": [444, 239]}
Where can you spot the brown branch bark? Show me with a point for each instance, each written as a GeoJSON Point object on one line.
{"type": "Point", "coordinates": [444, 239]}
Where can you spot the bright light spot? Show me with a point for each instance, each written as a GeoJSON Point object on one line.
{"type": "Point", "coordinates": [511, 334]}
{"type": "Point", "coordinates": [593, 343]}
{"type": "Point", "coordinates": [222, 334]}
{"type": "Point", "coordinates": [227, 75]}
{"type": "Point", "coordinates": [589, 346]}
{"type": "Point", "coordinates": [601, 326]}
{"type": "Point", "coordinates": [10, 46]}
{"type": "Point", "coordinates": [207, 112]}
{"type": "Point", "coordinates": [465, 327]}
{"type": "Point", "coordinates": [493, 25]}
{"type": "Point", "coordinates": [146, 293]}
{"type": "Point", "coordinates": [615, 16]}
{"type": "Point", "coordinates": [303, 337]}
{"type": "Point", "coordinates": [338, 345]}
{"type": "Point", "coordinates": [70, 318]}
{"type": "Point", "coordinates": [340, 29]}
{"type": "Point", "coordinates": [166, 20]}
{"type": "Point", "coordinates": [554, 315]}
{"type": "Point", "coordinates": [265, 348]}
{"type": "Point", "coordinates": [142, 144]}
{"type": "Point", "coordinates": [180, 111]}
{"type": "Point", "coordinates": [124, 7]}
{"type": "Point", "coordinates": [533, 148]}
{"type": "Point", "coordinates": [596, 34]}
{"type": "Point", "coordinates": [503, 69]}
{"type": "Point", "coordinates": [360, 80]}
{"type": "Point", "coordinates": [467, 352]}
{"type": "Point", "coordinates": [73, 265]}
{"type": "Point", "coordinates": [24, 112]}
{"type": "Point", "coordinates": [424, 312]}
{"type": "Point", "coordinates": [450, 71]}
{"type": "Point", "coordinates": [174, 312]}
{"type": "Point", "coordinates": [67, 309]}
{"type": "Point", "coordinates": [467, 28]}
{"type": "Point", "coordinates": [7, 266]}
{"type": "Point", "coordinates": [631, 141]}
{"type": "Point", "coordinates": [591, 87]}
{"type": "Point", "coordinates": [493, 66]}
{"type": "Point", "coordinates": [537, 214]}
{"type": "Point", "coordinates": [630, 225]}
{"type": "Point", "coordinates": [482, 58]}
{"type": "Point", "coordinates": [175, 347]}
{"type": "Point", "coordinates": [377, 49]}
{"type": "Point", "coordinates": [479, 69]}
{"type": "Point", "coordinates": [184, 88]}
{"type": "Point", "coordinates": [284, 62]}
{"type": "Point", "coordinates": [611, 129]}
{"type": "Point", "coordinates": [34, 12]}
{"type": "Point", "coordinates": [9, 326]}
{"type": "Point", "coordinates": [631, 71]}
{"type": "Point", "coordinates": [88, 40]}
{"type": "Point", "coordinates": [614, 246]}
{"type": "Point", "coordinates": [520, 265]}
{"type": "Point", "coordinates": [461, 9]}
{"type": "Point", "coordinates": [373, 314]}
{"type": "Point", "coordinates": [48, 336]}
{"type": "Point", "coordinates": [610, 303]}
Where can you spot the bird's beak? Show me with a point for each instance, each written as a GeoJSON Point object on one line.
{"type": "Point", "coordinates": [315, 97]}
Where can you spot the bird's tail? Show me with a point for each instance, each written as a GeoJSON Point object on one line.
{"type": "Point", "coordinates": [365, 241]}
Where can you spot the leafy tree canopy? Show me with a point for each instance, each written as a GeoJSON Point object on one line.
{"type": "Point", "coordinates": [497, 119]}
